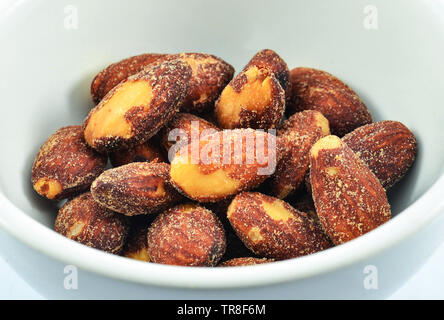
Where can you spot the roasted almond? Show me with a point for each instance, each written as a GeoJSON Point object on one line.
{"type": "Point", "coordinates": [318, 90]}
{"type": "Point", "coordinates": [349, 199]}
{"type": "Point", "coordinates": [115, 73]}
{"type": "Point", "coordinates": [134, 110]}
{"type": "Point", "coordinates": [224, 163]}
{"type": "Point", "coordinates": [388, 148]}
{"type": "Point", "coordinates": [65, 165]}
{"type": "Point", "coordinates": [272, 228]}
{"type": "Point", "coordinates": [297, 135]}
{"type": "Point", "coordinates": [84, 220]}
{"type": "Point", "coordinates": [186, 235]}
{"type": "Point", "coordinates": [253, 99]}
{"type": "Point", "coordinates": [135, 188]}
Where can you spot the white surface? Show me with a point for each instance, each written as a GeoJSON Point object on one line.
{"type": "Point", "coordinates": [394, 69]}
{"type": "Point", "coordinates": [425, 284]}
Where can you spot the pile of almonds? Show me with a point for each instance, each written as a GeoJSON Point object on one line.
{"type": "Point", "coordinates": [330, 164]}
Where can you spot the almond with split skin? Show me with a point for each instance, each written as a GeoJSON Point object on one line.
{"type": "Point", "coordinates": [349, 199]}
{"type": "Point", "coordinates": [182, 128]}
{"type": "Point", "coordinates": [65, 165]}
{"type": "Point", "coordinates": [388, 148]}
{"type": "Point", "coordinates": [134, 110]}
{"type": "Point", "coordinates": [297, 134]}
{"type": "Point", "coordinates": [245, 261]}
{"type": "Point", "coordinates": [115, 73]}
{"type": "Point", "coordinates": [136, 188]}
{"type": "Point", "coordinates": [318, 90]}
{"type": "Point", "coordinates": [253, 99]}
{"type": "Point", "coordinates": [84, 220]}
{"type": "Point", "coordinates": [224, 163]}
{"type": "Point", "coordinates": [187, 235]}
{"type": "Point", "coordinates": [272, 228]}
{"type": "Point", "coordinates": [146, 152]}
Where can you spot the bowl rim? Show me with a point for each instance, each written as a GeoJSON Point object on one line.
{"type": "Point", "coordinates": [41, 238]}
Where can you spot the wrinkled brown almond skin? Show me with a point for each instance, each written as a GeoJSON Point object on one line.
{"type": "Point", "coordinates": [84, 220]}
{"type": "Point", "coordinates": [388, 148]}
{"type": "Point", "coordinates": [169, 82]}
{"type": "Point", "coordinates": [146, 152]}
{"type": "Point", "coordinates": [136, 188]}
{"type": "Point", "coordinates": [294, 235]}
{"type": "Point", "coordinates": [115, 73]}
{"type": "Point", "coordinates": [246, 261]}
{"type": "Point", "coordinates": [297, 135]}
{"type": "Point", "coordinates": [188, 125]}
{"type": "Point", "coordinates": [250, 116]}
{"type": "Point", "coordinates": [349, 199]}
{"type": "Point", "coordinates": [241, 172]}
{"type": "Point", "coordinates": [268, 59]}
{"type": "Point", "coordinates": [186, 235]}
{"type": "Point", "coordinates": [67, 159]}
{"type": "Point", "coordinates": [210, 75]}
{"type": "Point", "coordinates": [318, 90]}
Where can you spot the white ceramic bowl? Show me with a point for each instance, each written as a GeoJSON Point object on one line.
{"type": "Point", "coordinates": [51, 50]}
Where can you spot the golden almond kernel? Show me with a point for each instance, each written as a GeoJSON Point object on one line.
{"type": "Point", "coordinates": [387, 147]}
{"type": "Point", "coordinates": [136, 188]}
{"type": "Point", "coordinates": [253, 99]}
{"type": "Point", "coordinates": [223, 164]}
{"type": "Point", "coordinates": [134, 110]}
{"type": "Point", "coordinates": [312, 89]}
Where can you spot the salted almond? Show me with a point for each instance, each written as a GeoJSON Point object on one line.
{"type": "Point", "coordinates": [224, 163]}
{"type": "Point", "coordinates": [187, 235]}
{"type": "Point", "coordinates": [349, 199]}
{"type": "Point", "coordinates": [136, 188]}
{"type": "Point", "coordinates": [318, 90]}
{"type": "Point", "coordinates": [134, 110]}
{"type": "Point", "coordinates": [272, 228]}
{"type": "Point", "coordinates": [388, 148]}
{"type": "Point", "coordinates": [65, 165]}
{"type": "Point", "coordinates": [84, 220]}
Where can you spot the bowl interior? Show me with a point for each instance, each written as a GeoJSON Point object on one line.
{"type": "Point", "coordinates": [51, 51]}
